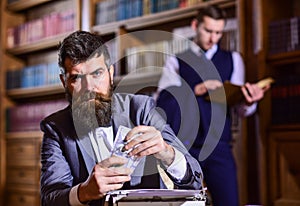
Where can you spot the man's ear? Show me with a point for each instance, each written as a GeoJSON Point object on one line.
{"type": "Point", "coordinates": [62, 80]}
{"type": "Point", "coordinates": [194, 24]}
{"type": "Point", "coordinates": [111, 73]}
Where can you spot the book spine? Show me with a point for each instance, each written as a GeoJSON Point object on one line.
{"type": "Point", "coordinates": [54, 23]}
{"type": "Point", "coordinates": [27, 117]}
{"type": "Point", "coordinates": [33, 76]}
{"type": "Point", "coordinates": [285, 101]}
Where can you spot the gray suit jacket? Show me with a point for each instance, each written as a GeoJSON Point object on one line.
{"type": "Point", "coordinates": [67, 158]}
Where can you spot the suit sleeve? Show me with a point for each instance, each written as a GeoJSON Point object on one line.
{"type": "Point", "coordinates": [56, 178]}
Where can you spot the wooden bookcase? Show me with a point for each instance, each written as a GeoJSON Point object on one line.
{"type": "Point", "coordinates": [2, 151]}
{"type": "Point", "coordinates": [20, 151]}
{"type": "Point", "coordinates": [17, 191]}
{"type": "Point", "coordinates": [270, 54]}
{"type": "Point", "coordinates": [127, 33]}
{"type": "Point", "coordinates": [284, 137]}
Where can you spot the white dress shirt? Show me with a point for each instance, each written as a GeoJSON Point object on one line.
{"type": "Point", "coordinates": [170, 75]}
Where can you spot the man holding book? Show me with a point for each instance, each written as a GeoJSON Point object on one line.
{"type": "Point", "coordinates": [79, 162]}
{"type": "Point", "coordinates": [204, 68]}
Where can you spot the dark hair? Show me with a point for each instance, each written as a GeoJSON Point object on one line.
{"type": "Point", "coordinates": [79, 46]}
{"type": "Point", "coordinates": [212, 11]}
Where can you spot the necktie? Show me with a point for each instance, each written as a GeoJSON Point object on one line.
{"type": "Point", "coordinates": [165, 178]}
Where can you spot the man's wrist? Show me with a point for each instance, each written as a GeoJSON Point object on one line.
{"type": "Point", "coordinates": [178, 167]}
{"type": "Point", "coordinates": [81, 196]}
{"type": "Point", "coordinates": [170, 159]}
{"type": "Point", "coordinates": [200, 89]}
{"type": "Point", "coordinates": [73, 197]}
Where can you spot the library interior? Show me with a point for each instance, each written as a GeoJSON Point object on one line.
{"type": "Point", "coordinates": [266, 145]}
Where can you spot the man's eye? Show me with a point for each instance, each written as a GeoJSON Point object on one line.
{"type": "Point", "coordinates": [98, 73]}
{"type": "Point", "coordinates": [74, 77]}
{"type": "Point", "coordinates": [208, 31]}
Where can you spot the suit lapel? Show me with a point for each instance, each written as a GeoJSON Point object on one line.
{"type": "Point", "coordinates": [118, 120]}
{"type": "Point", "coordinates": [86, 149]}
{"type": "Point", "coordinates": [120, 114]}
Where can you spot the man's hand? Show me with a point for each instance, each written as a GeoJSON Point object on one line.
{"type": "Point", "coordinates": [203, 87]}
{"type": "Point", "coordinates": [105, 177]}
{"type": "Point", "coordinates": [253, 93]}
{"type": "Point", "coordinates": [146, 140]}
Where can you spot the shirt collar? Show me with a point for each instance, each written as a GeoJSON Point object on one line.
{"type": "Point", "coordinates": [209, 53]}
{"type": "Point", "coordinates": [108, 134]}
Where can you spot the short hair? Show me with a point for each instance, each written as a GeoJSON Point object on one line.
{"type": "Point", "coordinates": [212, 11]}
{"type": "Point", "coordinates": [79, 46]}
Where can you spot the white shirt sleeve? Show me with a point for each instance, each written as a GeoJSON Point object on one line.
{"type": "Point", "coordinates": [73, 197]}
{"type": "Point", "coordinates": [238, 74]}
{"type": "Point", "coordinates": [170, 74]}
{"type": "Point", "coordinates": [238, 78]}
{"type": "Point", "coordinates": [178, 167]}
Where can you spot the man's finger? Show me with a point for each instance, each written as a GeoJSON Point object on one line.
{"type": "Point", "coordinates": [112, 161]}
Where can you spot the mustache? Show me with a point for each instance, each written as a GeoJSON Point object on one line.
{"type": "Point", "coordinates": [98, 97]}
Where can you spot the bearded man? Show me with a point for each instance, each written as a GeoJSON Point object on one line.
{"type": "Point", "coordinates": [77, 165]}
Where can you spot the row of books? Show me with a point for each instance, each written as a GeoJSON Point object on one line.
{"type": "Point", "coordinates": [284, 35]}
{"type": "Point", "coordinates": [117, 10]}
{"type": "Point", "coordinates": [286, 100]}
{"type": "Point", "coordinates": [49, 25]}
{"type": "Point", "coordinates": [152, 57]}
{"type": "Point", "coordinates": [27, 117]}
{"type": "Point", "coordinates": [33, 76]}
{"type": "Point", "coordinates": [145, 58]}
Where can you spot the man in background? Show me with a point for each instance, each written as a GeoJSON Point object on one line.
{"type": "Point", "coordinates": [194, 68]}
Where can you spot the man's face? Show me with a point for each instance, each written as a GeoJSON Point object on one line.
{"type": "Point", "coordinates": [88, 88]}
{"type": "Point", "coordinates": [90, 76]}
{"type": "Point", "coordinates": [209, 32]}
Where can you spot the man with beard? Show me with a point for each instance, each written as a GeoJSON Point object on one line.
{"type": "Point", "coordinates": [77, 165]}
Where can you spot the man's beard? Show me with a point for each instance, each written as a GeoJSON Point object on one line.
{"type": "Point", "coordinates": [91, 110]}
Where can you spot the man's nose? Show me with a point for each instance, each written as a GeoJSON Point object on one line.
{"type": "Point", "coordinates": [217, 35]}
{"type": "Point", "coordinates": [88, 83]}
{"type": "Point", "coordinates": [214, 37]}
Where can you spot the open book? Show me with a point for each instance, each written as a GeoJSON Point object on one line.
{"type": "Point", "coordinates": [233, 92]}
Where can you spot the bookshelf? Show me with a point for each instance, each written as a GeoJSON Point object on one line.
{"type": "Point", "coordinates": [128, 33]}
{"type": "Point", "coordinates": [16, 57]}
{"type": "Point", "coordinates": [42, 44]}
{"type": "Point", "coordinates": [23, 167]}
{"type": "Point", "coordinates": [149, 20]}
{"type": "Point", "coordinates": [30, 39]}
{"type": "Point", "coordinates": [278, 114]}
{"type": "Point", "coordinates": [2, 143]}
{"type": "Point", "coordinates": [22, 5]}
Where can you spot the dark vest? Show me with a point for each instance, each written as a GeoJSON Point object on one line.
{"type": "Point", "coordinates": [194, 70]}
